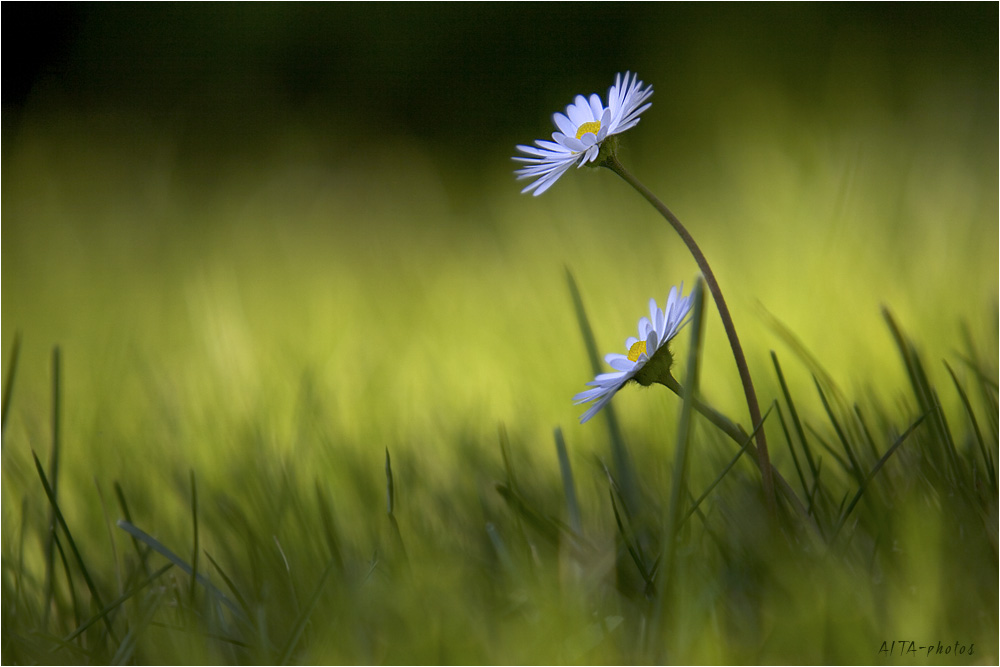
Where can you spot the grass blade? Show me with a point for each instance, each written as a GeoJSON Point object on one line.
{"type": "Point", "coordinates": [8, 384]}
{"type": "Point", "coordinates": [619, 453]}
{"type": "Point", "coordinates": [159, 548]}
{"type": "Point", "coordinates": [69, 538]}
{"type": "Point", "coordinates": [874, 471]}
{"type": "Point", "coordinates": [569, 488]}
{"type": "Point", "coordinates": [303, 619]}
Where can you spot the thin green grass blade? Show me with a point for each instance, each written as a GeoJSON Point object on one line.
{"type": "Point", "coordinates": [977, 432]}
{"type": "Point", "coordinates": [855, 467]}
{"type": "Point", "coordinates": [630, 544]}
{"type": "Point", "coordinates": [796, 422]}
{"type": "Point", "coordinates": [161, 549]}
{"type": "Point", "coordinates": [303, 619]}
{"type": "Point", "coordinates": [69, 538]}
{"type": "Point", "coordinates": [725, 471]}
{"type": "Point", "coordinates": [569, 488]}
{"type": "Point", "coordinates": [126, 649]}
{"type": "Point", "coordinates": [791, 449]}
{"type": "Point", "coordinates": [74, 602]}
{"type": "Point", "coordinates": [196, 548]}
{"type": "Point", "coordinates": [619, 453]}
{"type": "Point", "coordinates": [54, 477]}
{"type": "Point", "coordinates": [508, 463]}
{"type": "Point", "coordinates": [329, 527]}
{"type": "Point", "coordinates": [8, 383]}
{"type": "Point", "coordinates": [544, 526]}
{"type": "Point", "coordinates": [874, 471]}
{"type": "Point", "coordinates": [123, 506]}
{"type": "Point", "coordinates": [390, 493]}
{"type": "Point", "coordinates": [390, 487]}
{"type": "Point", "coordinates": [865, 431]}
{"type": "Point", "coordinates": [229, 584]}
{"type": "Point", "coordinates": [118, 602]}
{"type": "Point", "coordinates": [943, 458]}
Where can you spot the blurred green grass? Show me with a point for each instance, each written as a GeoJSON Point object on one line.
{"type": "Point", "coordinates": [277, 317]}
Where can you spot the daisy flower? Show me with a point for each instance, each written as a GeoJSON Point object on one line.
{"type": "Point", "coordinates": [648, 359]}
{"type": "Point", "coordinates": [582, 130]}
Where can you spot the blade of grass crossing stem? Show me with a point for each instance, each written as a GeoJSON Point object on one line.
{"type": "Point", "coordinates": [729, 466]}
{"type": "Point", "coordinates": [69, 538]}
{"type": "Point", "coordinates": [791, 449]}
{"type": "Point", "coordinates": [988, 463]}
{"type": "Point", "coordinates": [874, 471]}
{"type": "Point", "coordinates": [569, 488]}
{"type": "Point", "coordinates": [122, 599]}
{"type": "Point", "coordinates": [8, 383]}
{"type": "Point", "coordinates": [854, 467]}
{"type": "Point", "coordinates": [161, 549]}
{"type": "Point", "coordinates": [619, 453]}
{"type": "Point", "coordinates": [796, 422]}
{"type": "Point", "coordinates": [678, 480]}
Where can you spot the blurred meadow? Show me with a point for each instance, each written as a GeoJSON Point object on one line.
{"type": "Point", "coordinates": [247, 250]}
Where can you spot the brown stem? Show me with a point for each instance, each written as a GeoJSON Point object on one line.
{"type": "Point", "coordinates": [763, 460]}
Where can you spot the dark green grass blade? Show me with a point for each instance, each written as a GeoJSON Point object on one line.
{"type": "Point", "coordinates": [8, 383]}
{"type": "Point", "coordinates": [390, 487]}
{"type": "Point", "coordinates": [631, 544]}
{"type": "Point", "coordinates": [229, 584]}
{"type": "Point", "coordinates": [74, 602]}
{"type": "Point", "coordinates": [123, 506]}
{"type": "Point", "coordinates": [791, 449]}
{"type": "Point", "coordinates": [977, 432]}
{"type": "Point", "coordinates": [72, 543]}
{"type": "Point", "coordinates": [725, 471]}
{"type": "Point", "coordinates": [854, 467]}
{"type": "Point", "coordinates": [303, 619]}
{"type": "Point", "coordinates": [54, 477]}
{"type": "Point", "coordinates": [619, 453]}
{"type": "Point", "coordinates": [569, 488]}
{"type": "Point", "coordinates": [115, 604]}
{"type": "Point", "coordinates": [159, 548]}
{"type": "Point", "coordinates": [508, 463]}
{"type": "Point", "coordinates": [542, 524]}
{"type": "Point", "coordinates": [329, 527]}
{"type": "Point", "coordinates": [865, 431]}
{"type": "Point", "coordinates": [390, 497]}
{"type": "Point", "coordinates": [196, 549]}
{"type": "Point", "coordinates": [874, 471]}
{"type": "Point", "coordinates": [946, 461]}
{"type": "Point", "coordinates": [796, 422]}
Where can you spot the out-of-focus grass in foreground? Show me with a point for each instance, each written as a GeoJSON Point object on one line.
{"type": "Point", "coordinates": [242, 339]}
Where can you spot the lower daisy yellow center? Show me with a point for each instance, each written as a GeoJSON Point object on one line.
{"type": "Point", "coordinates": [593, 126]}
{"type": "Point", "coordinates": [638, 348]}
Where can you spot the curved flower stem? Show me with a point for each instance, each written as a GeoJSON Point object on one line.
{"type": "Point", "coordinates": [763, 460]}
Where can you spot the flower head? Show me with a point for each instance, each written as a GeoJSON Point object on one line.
{"type": "Point", "coordinates": [648, 359]}
{"type": "Point", "coordinates": [583, 129]}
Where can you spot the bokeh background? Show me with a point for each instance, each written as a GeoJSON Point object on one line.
{"type": "Point", "coordinates": [297, 226]}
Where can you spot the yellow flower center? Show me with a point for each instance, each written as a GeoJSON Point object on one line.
{"type": "Point", "coordinates": [638, 347]}
{"type": "Point", "coordinates": [593, 126]}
